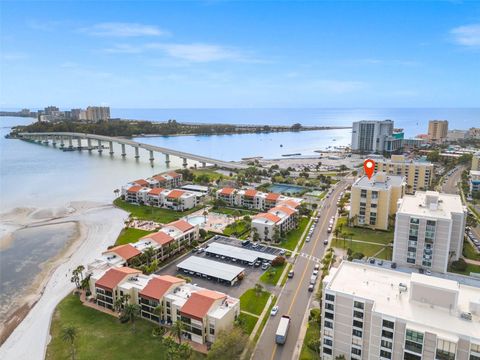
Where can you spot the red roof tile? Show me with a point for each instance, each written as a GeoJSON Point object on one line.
{"type": "Point", "coordinates": [250, 192]}
{"type": "Point", "coordinates": [159, 285]}
{"type": "Point", "coordinates": [126, 251]}
{"type": "Point", "coordinates": [272, 196]}
{"type": "Point", "coordinates": [291, 203]}
{"type": "Point", "coordinates": [200, 302]}
{"type": "Point", "coordinates": [175, 194]}
{"type": "Point", "coordinates": [160, 237]}
{"type": "Point", "coordinates": [268, 216]}
{"type": "Point", "coordinates": [227, 191]}
{"type": "Point", "coordinates": [181, 225]}
{"type": "Point", "coordinates": [135, 189]}
{"type": "Point", "coordinates": [159, 178]}
{"type": "Point", "coordinates": [142, 182]}
{"type": "Point", "coordinates": [174, 174]}
{"type": "Point", "coordinates": [156, 191]}
{"type": "Point", "coordinates": [285, 209]}
{"type": "Point", "coordinates": [114, 276]}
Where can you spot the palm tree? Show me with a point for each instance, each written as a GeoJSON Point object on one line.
{"type": "Point", "coordinates": [236, 214]}
{"type": "Point", "coordinates": [159, 310]}
{"type": "Point", "coordinates": [205, 214]}
{"type": "Point", "coordinates": [75, 278]}
{"type": "Point", "coordinates": [80, 269]}
{"type": "Point", "coordinates": [69, 334]}
{"type": "Point", "coordinates": [117, 305]}
{"type": "Point", "coordinates": [177, 330]}
{"type": "Point", "coordinates": [258, 289]}
{"type": "Point", "coordinates": [131, 311]}
{"type": "Point", "coordinates": [149, 254]}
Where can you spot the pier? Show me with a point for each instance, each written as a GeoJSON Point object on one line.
{"type": "Point", "coordinates": [66, 140]}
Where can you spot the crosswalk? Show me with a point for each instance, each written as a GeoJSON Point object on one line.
{"type": "Point", "coordinates": [310, 257]}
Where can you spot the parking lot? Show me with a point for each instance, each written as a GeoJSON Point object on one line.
{"type": "Point", "coordinates": [474, 239]}
{"type": "Point", "coordinates": [252, 272]}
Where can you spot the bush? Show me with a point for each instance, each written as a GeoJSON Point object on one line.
{"type": "Point", "coordinates": [358, 255]}
{"type": "Point", "coordinates": [459, 265]}
{"type": "Point", "coordinates": [315, 315]}
{"type": "Point", "coordinates": [278, 261]}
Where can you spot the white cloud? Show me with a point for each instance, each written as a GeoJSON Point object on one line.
{"type": "Point", "coordinates": [467, 35]}
{"type": "Point", "coordinates": [118, 29]}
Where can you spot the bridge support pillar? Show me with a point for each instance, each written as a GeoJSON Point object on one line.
{"type": "Point", "coordinates": [100, 146]}
{"type": "Point", "coordinates": [167, 160]}
{"type": "Point", "coordinates": [151, 155]}
{"type": "Point", "coordinates": [111, 147]}
{"type": "Point", "coordinates": [89, 144]}
{"type": "Point", "coordinates": [45, 139]}
{"type": "Point", "coordinates": [79, 143]}
{"type": "Point", "coordinates": [62, 144]}
{"type": "Point", "coordinates": [204, 164]}
{"type": "Point", "coordinates": [70, 142]}
{"type": "Point", "coordinates": [54, 141]}
{"type": "Point", "coordinates": [123, 150]}
{"type": "Point", "coordinates": [137, 152]}
{"type": "Point", "coordinates": [185, 164]}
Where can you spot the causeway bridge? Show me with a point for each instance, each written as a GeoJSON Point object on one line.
{"type": "Point", "coordinates": [68, 140]}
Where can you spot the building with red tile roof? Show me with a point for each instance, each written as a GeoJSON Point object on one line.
{"type": "Point", "coordinates": [159, 237]}
{"type": "Point", "coordinates": [182, 225]}
{"type": "Point", "coordinates": [114, 276]}
{"type": "Point", "coordinates": [200, 302]}
{"type": "Point", "coordinates": [281, 217]}
{"type": "Point", "coordinates": [158, 286]}
{"type": "Point", "coordinates": [141, 182]}
{"type": "Point", "coordinates": [126, 252]}
{"type": "Point", "coordinates": [175, 194]}
{"type": "Point", "coordinates": [253, 199]}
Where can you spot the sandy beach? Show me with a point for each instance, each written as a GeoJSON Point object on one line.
{"type": "Point", "coordinates": [94, 227]}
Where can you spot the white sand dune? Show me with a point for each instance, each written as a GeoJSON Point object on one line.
{"type": "Point", "coordinates": [100, 228]}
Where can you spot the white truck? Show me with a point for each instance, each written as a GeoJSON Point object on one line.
{"type": "Point", "coordinates": [282, 330]}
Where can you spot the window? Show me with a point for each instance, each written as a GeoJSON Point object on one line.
{"type": "Point", "coordinates": [329, 297]}
{"type": "Point", "coordinates": [328, 324]}
{"type": "Point", "coordinates": [414, 336]}
{"type": "Point", "coordinates": [358, 324]}
{"type": "Point", "coordinates": [357, 333]}
{"type": "Point", "coordinates": [363, 193]}
{"type": "Point", "coordinates": [446, 350]}
{"type": "Point", "coordinates": [328, 342]}
{"type": "Point", "coordinates": [358, 305]}
{"type": "Point", "coordinates": [388, 324]}
{"type": "Point", "coordinates": [356, 351]}
{"type": "Point", "coordinates": [387, 334]}
{"type": "Point", "coordinates": [329, 306]}
{"type": "Point", "coordinates": [386, 344]}
{"type": "Point", "coordinates": [358, 314]}
{"type": "Point", "coordinates": [373, 206]}
{"type": "Point", "coordinates": [413, 346]}
{"type": "Point", "coordinates": [374, 195]}
{"type": "Point", "coordinates": [385, 354]}
{"type": "Point", "coordinates": [327, 351]}
{"type": "Point", "coordinates": [329, 315]}
{"type": "Point", "coordinates": [408, 356]}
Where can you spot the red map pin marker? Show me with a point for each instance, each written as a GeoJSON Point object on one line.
{"type": "Point", "coordinates": [369, 167]}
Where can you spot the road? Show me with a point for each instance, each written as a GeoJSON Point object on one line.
{"type": "Point", "coordinates": [294, 298]}
{"type": "Point", "coordinates": [450, 183]}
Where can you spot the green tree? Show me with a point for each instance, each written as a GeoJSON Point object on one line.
{"type": "Point", "coordinates": [69, 334]}
{"type": "Point", "coordinates": [177, 330]}
{"type": "Point", "coordinates": [228, 345]}
{"type": "Point", "coordinates": [131, 311]}
{"type": "Point", "coordinates": [258, 289]}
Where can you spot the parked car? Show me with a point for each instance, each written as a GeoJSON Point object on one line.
{"type": "Point", "coordinates": [329, 230]}
{"type": "Point", "coordinates": [290, 274]}
{"type": "Point", "coordinates": [245, 242]}
{"type": "Point", "coordinates": [393, 265]}
{"type": "Point", "coordinates": [282, 252]}
{"type": "Point", "coordinates": [315, 272]}
{"type": "Point", "coordinates": [325, 242]}
{"type": "Point", "coordinates": [311, 287]}
{"type": "Point", "coordinates": [307, 239]}
{"type": "Point", "coordinates": [428, 272]}
{"type": "Point", "coordinates": [265, 266]}
{"type": "Point", "coordinates": [317, 266]}
{"type": "Point", "coordinates": [257, 264]}
{"type": "Point", "coordinates": [255, 245]}
{"type": "Point", "coordinates": [274, 311]}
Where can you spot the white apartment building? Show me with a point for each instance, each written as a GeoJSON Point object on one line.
{"type": "Point", "coordinates": [174, 199]}
{"type": "Point", "coordinates": [371, 312]}
{"type": "Point", "coordinates": [474, 180]}
{"type": "Point", "coordinates": [202, 312]}
{"type": "Point", "coordinates": [254, 199]}
{"type": "Point", "coordinates": [283, 218]}
{"type": "Point", "coordinates": [429, 230]}
{"type": "Point", "coordinates": [371, 136]}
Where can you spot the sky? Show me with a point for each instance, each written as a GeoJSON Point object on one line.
{"type": "Point", "coordinates": [218, 54]}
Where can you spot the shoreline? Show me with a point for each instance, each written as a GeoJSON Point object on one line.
{"type": "Point", "coordinates": [25, 334]}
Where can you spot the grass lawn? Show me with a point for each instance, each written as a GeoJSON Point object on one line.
{"type": "Point", "coordinates": [386, 254]}
{"type": "Point", "coordinates": [272, 280]}
{"type": "Point", "coordinates": [143, 212]}
{"type": "Point", "coordinates": [265, 319]}
{"type": "Point", "coordinates": [250, 302]}
{"type": "Point", "coordinates": [470, 268]}
{"type": "Point", "coordinates": [230, 211]}
{"type": "Point", "coordinates": [249, 322]}
{"type": "Point", "coordinates": [130, 235]}
{"type": "Point", "coordinates": [313, 333]}
{"type": "Point", "coordinates": [293, 237]}
{"type": "Point", "coordinates": [364, 234]}
{"type": "Point", "coordinates": [212, 174]}
{"type": "Point", "coordinates": [237, 228]}
{"type": "Point", "coordinates": [101, 336]}
{"type": "Point", "coordinates": [469, 251]}
{"type": "Point", "coordinates": [366, 249]}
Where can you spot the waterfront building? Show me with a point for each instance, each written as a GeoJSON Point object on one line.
{"type": "Point", "coordinates": [418, 174]}
{"type": "Point", "coordinates": [173, 199]}
{"type": "Point", "coordinates": [429, 230]}
{"type": "Point", "coordinates": [279, 219]}
{"type": "Point", "coordinates": [374, 136]}
{"type": "Point", "coordinates": [254, 199]}
{"type": "Point", "coordinates": [165, 299]}
{"type": "Point", "coordinates": [476, 161]}
{"type": "Point", "coordinates": [414, 143]}
{"type": "Point", "coordinates": [455, 135]}
{"type": "Point", "coordinates": [437, 130]}
{"type": "Point", "coordinates": [374, 200]}
{"type": "Point", "coordinates": [98, 113]}
{"type": "Point", "coordinates": [474, 180]}
{"type": "Point", "coordinates": [370, 312]}
{"type": "Point", "coordinates": [168, 180]}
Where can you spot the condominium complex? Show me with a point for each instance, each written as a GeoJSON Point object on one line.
{"type": "Point", "coordinates": [418, 174]}
{"type": "Point", "coordinates": [174, 199]}
{"type": "Point", "coordinates": [98, 113]}
{"type": "Point", "coordinates": [374, 136]}
{"type": "Point", "coordinates": [371, 312]}
{"type": "Point", "coordinates": [474, 180]}
{"type": "Point", "coordinates": [167, 299]}
{"type": "Point", "coordinates": [278, 220]}
{"type": "Point", "coordinates": [254, 199]}
{"type": "Point", "coordinates": [374, 200]}
{"type": "Point", "coordinates": [437, 130]}
{"type": "Point", "coordinates": [169, 240]}
{"type": "Point", "coordinates": [476, 161]}
{"type": "Point", "coordinates": [429, 230]}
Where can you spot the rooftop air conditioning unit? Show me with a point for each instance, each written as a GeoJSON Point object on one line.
{"type": "Point", "coordinates": [466, 316]}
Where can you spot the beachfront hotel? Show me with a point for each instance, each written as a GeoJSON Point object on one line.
{"type": "Point", "coordinates": [254, 199]}
{"type": "Point", "coordinates": [370, 312]}
{"type": "Point", "coordinates": [429, 230]}
{"type": "Point", "coordinates": [166, 299]}
{"type": "Point", "coordinates": [282, 218]}
{"type": "Point", "coordinates": [437, 131]}
{"type": "Point", "coordinates": [418, 174]}
{"type": "Point", "coordinates": [374, 200]}
{"type": "Point", "coordinates": [169, 240]}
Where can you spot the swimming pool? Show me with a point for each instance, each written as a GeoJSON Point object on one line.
{"type": "Point", "coordinates": [286, 188]}
{"type": "Point", "coordinates": [196, 220]}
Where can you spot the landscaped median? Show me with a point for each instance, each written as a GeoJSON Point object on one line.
{"type": "Point", "coordinates": [152, 213]}
{"type": "Point", "coordinates": [252, 303]}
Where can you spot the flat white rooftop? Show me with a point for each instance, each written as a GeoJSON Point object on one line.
{"type": "Point", "coordinates": [211, 268]}
{"type": "Point", "coordinates": [416, 205]}
{"type": "Point", "coordinates": [379, 181]}
{"type": "Point", "coordinates": [238, 252]}
{"type": "Point", "coordinates": [381, 286]}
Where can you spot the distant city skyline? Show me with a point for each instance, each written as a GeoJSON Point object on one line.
{"type": "Point", "coordinates": [229, 54]}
